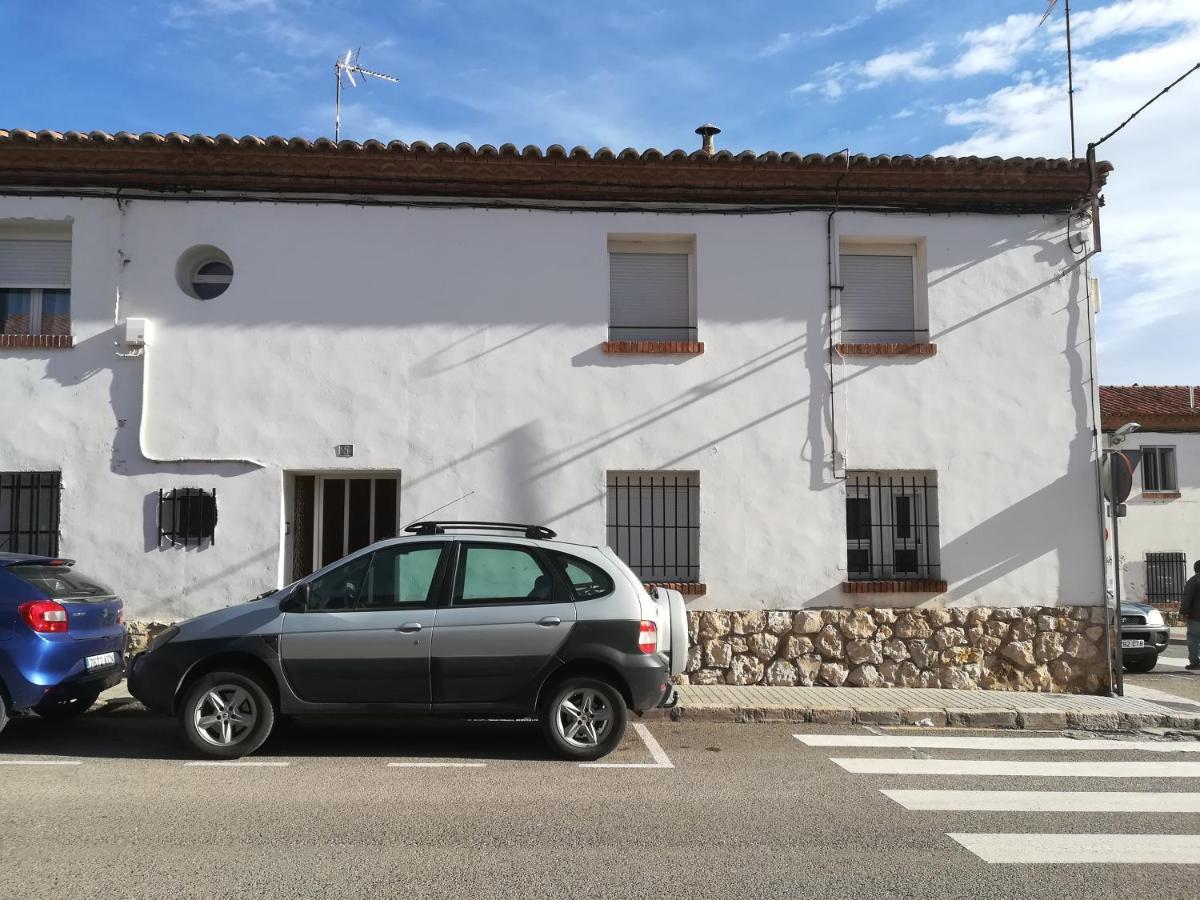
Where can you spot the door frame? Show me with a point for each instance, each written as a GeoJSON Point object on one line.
{"type": "Point", "coordinates": [318, 531]}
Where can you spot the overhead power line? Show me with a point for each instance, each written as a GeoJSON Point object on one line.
{"type": "Point", "coordinates": [1147, 103]}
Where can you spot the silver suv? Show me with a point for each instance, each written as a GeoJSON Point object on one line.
{"type": "Point", "coordinates": [467, 619]}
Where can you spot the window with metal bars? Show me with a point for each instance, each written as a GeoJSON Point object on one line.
{"type": "Point", "coordinates": [892, 526]}
{"type": "Point", "coordinates": [1166, 575]}
{"type": "Point", "coordinates": [1158, 469]}
{"type": "Point", "coordinates": [654, 523]}
{"type": "Point", "coordinates": [187, 517]}
{"type": "Point", "coordinates": [29, 511]}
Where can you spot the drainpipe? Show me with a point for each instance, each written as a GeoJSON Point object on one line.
{"type": "Point", "coordinates": [829, 251]}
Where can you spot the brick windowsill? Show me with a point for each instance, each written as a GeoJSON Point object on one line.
{"type": "Point", "coordinates": [37, 341]}
{"type": "Point", "coordinates": [895, 587]}
{"type": "Point", "coordinates": [687, 588]}
{"type": "Point", "coordinates": [887, 349]}
{"type": "Point", "coordinates": [688, 348]}
{"type": "Point", "coordinates": [1161, 495]}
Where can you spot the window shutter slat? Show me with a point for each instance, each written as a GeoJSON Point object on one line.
{"type": "Point", "coordinates": [877, 298]}
{"type": "Point", "coordinates": [35, 263]}
{"type": "Point", "coordinates": [649, 297]}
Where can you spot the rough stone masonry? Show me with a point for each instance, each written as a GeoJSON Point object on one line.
{"type": "Point", "coordinates": [1053, 649]}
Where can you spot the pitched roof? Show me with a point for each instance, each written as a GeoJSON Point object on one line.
{"type": "Point", "coordinates": [1154, 407]}
{"type": "Point", "coordinates": [174, 162]}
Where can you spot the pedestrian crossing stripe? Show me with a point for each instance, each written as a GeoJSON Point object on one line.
{"type": "Point", "coordinates": [1088, 849]}
{"type": "Point", "coordinates": [1020, 768]}
{"type": "Point", "coordinates": [1047, 801]}
{"type": "Point", "coordinates": [953, 742]}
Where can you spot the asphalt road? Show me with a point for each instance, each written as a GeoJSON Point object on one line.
{"type": "Point", "coordinates": [1169, 675]}
{"type": "Point", "coordinates": [726, 810]}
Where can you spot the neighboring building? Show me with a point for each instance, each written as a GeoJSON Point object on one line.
{"type": "Point", "coordinates": [1160, 534]}
{"type": "Point", "coordinates": [778, 382]}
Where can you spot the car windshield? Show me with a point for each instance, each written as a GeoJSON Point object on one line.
{"type": "Point", "coordinates": [60, 582]}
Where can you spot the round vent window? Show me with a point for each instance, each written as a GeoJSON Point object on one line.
{"type": "Point", "coordinates": [204, 272]}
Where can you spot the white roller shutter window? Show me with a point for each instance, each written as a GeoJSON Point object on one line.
{"type": "Point", "coordinates": [877, 298]}
{"type": "Point", "coordinates": [35, 263]}
{"type": "Point", "coordinates": [649, 297]}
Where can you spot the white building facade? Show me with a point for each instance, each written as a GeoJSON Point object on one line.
{"type": "Point", "coordinates": [779, 383]}
{"type": "Point", "coordinates": [1160, 532]}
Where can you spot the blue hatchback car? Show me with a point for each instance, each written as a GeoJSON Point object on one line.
{"type": "Point", "coordinates": [62, 637]}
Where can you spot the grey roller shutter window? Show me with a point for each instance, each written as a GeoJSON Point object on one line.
{"type": "Point", "coordinates": [35, 263]}
{"type": "Point", "coordinates": [877, 299]}
{"type": "Point", "coordinates": [649, 297]}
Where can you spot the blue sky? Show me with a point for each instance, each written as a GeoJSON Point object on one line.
{"type": "Point", "coordinates": [879, 76]}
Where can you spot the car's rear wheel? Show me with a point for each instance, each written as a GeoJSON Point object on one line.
{"type": "Point", "coordinates": [1141, 663]}
{"type": "Point", "coordinates": [226, 715]}
{"type": "Point", "coordinates": [3, 709]}
{"type": "Point", "coordinates": [583, 718]}
{"type": "Point", "coordinates": [67, 707]}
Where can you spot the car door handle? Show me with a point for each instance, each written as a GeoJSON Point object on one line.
{"type": "Point", "coordinates": [410, 627]}
{"type": "Point", "coordinates": [550, 621]}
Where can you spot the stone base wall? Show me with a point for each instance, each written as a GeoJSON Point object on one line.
{"type": "Point", "coordinates": [1052, 649]}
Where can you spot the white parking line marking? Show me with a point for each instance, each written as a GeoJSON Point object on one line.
{"type": "Point", "coordinates": [1120, 849]}
{"type": "Point", "coordinates": [949, 742]}
{"type": "Point", "coordinates": [1005, 768]}
{"type": "Point", "coordinates": [40, 762]}
{"type": "Point", "coordinates": [436, 765]}
{"type": "Point", "coordinates": [1047, 801]}
{"type": "Point", "coordinates": [1173, 662]}
{"type": "Point", "coordinates": [238, 762]}
{"type": "Point", "coordinates": [661, 760]}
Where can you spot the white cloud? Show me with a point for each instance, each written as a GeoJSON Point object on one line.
{"type": "Point", "coordinates": [996, 48]}
{"type": "Point", "coordinates": [900, 64]}
{"type": "Point", "coordinates": [181, 12]}
{"type": "Point", "coordinates": [785, 40]}
{"type": "Point", "coordinates": [881, 5]}
{"type": "Point", "coordinates": [1149, 264]}
{"type": "Point", "coordinates": [1130, 17]}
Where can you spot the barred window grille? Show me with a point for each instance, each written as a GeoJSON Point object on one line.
{"type": "Point", "coordinates": [892, 526]}
{"type": "Point", "coordinates": [187, 517]}
{"type": "Point", "coordinates": [1166, 575]}
{"type": "Point", "coordinates": [654, 523]}
{"type": "Point", "coordinates": [29, 512]}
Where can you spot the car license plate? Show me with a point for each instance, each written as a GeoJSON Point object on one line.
{"type": "Point", "coordinates": [1132, 644]}
{"type": "Point", "coordinates": [100, 660]}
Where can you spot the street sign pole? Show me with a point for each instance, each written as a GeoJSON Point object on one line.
{"type": "Point", "coordinates": [1119, 654]}
{"type": "Point", "coordinates": [1117, 468]}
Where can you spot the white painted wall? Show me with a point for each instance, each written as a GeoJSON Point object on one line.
{"type": "Point", "coordinates": [462, 347]}
{"type": "Point", "coordinates": [1161, 526]}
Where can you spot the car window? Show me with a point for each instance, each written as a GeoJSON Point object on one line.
{"type": "Point", "coordinates": [60, 582]}
{"type": "Point", "coordinates": [588, 580]}
{"type": "Point", "coordinates": [391, 578]}
{"type": "Point", "coordinates": [401, 577]}
{"type": "Point", "coordinates": [502, 575]}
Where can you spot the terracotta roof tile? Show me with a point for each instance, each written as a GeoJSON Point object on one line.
{"type": "Point", "coordinates": [175, 161]}
{"type": "Point", "coordinates": [1154, 407]}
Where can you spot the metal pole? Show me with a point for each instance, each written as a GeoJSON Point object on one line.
{"type": "Point", "coordinates": [337, 105]}
{"type": "Point", "coordinates": [1070, 77]}
{"type": "Point", "coordinates": [1120, 662]}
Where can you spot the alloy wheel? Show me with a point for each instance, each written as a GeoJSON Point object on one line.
{"type": "Point", "coordinates": [583, 717]}
{"type": "Point", "coordinates": [225, 715]}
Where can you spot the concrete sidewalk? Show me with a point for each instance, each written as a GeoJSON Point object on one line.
{"type": "Point", "coordinates": [934, 707]}
{"type": "Point", "coordinates": [931, 707]}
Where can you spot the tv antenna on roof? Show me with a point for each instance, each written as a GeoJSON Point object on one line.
{"type": "Point", "coordinates": [349, 66]}
{"type": "Point", "coordinates": [1070, 65]}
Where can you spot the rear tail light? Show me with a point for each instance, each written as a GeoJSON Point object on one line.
{"type": "Point", "coordinates": [648, 637]}
{"type": "Point", "coordinates": [44, 616]}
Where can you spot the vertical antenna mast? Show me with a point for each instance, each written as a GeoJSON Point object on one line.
{"type": "Point", "coordinates": [1070, 65]}
{"type": "Point", "coordinates": [348, 65]}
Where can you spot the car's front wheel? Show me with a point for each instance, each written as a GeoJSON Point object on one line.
{"type": "Point", "coordinates": [226, 715]}
{"type": "Point", "coordinates": [583, 718]}
{"type": "Point", "coordinates": [67, 707]}
{"type": "Point", "coordinates": [3, 710]}
{"type": "Point", "coordinates": [1141, 663]}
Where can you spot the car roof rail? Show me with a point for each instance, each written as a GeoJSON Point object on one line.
{"type": "Point", "coordinates": [534, 532]}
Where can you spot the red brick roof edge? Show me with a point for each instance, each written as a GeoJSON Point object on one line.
{"type": "Point", "coordinates": [1153, 407]}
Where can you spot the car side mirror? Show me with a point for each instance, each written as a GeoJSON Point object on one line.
{"type": "Point", "coordinates": [297, 600]}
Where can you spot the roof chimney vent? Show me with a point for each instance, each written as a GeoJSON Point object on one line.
{"type": "Point", "coordinates": [707, 132]}
{"type": "Point", "coordinates": [1191, 397]}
